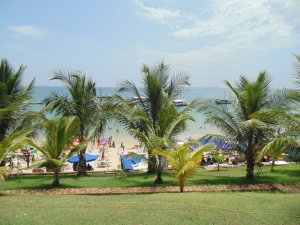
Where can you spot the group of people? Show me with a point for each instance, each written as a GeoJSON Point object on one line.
{"type": "Point", "coordinates": [110, 142]}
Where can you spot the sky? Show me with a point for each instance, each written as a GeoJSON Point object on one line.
{"type": "Point", "coordinates": [109, 41]}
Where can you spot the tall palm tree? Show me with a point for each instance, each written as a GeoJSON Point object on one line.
{"type": "Point", "coordinates": [81, 102]}
{"type": "Point", "coordinates": [241, 124]}
{"type": "Point", "coordinates": [59, 136]}
{"type": "Point", "coordinates": [183, 161]}
{"type": "Point", "coordinates": [14, 99]}
{"type": "Point", "coordinates": [155, 121]}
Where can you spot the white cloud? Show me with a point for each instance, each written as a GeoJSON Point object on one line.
{"type": "Point", "coordinates": [230, 28]}
{"type": "Point", "coordinates": [30, 31]}
{"type": "Point", "coordinates": [158, 14]}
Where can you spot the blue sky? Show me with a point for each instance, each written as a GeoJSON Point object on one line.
{"type": "Point", "coordinates": [210, 40]}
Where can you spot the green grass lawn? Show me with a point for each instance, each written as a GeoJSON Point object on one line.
{"type": "Point", "coordinates": [287, 174]}
{"type": "Point", "coordinates": [180, 208]}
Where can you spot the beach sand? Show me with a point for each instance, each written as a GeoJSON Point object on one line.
{"type": "Point", "coordinates": [112, 161]}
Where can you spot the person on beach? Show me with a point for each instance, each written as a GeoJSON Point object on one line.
{"type": "Point", "coordinates": [89, 167]}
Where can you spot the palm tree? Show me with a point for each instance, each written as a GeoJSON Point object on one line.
{"type": "Point", "coordinates": [183, 161]}
{"type": "Point", "coordinates": [159, 88]}
{"type": "Point", "coordinates": [59, 136]}
{"type": "Point", "coordinates": [218, 158]}
{"type": "Point", "coordinates": [249, 132]}
{"type": "Point", "coordinates": [82, 103]}
{"type": "Point", "coordinates": [14, 141]}
{"type": "Point", "coordinates": [276, 147]}
{"type": "Point", "coordinates": [14, 99]}
{"type": "Point", "coordinates": [154, 121]}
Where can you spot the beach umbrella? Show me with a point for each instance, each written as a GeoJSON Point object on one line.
{"type": "Point", "coordinates": [218, 143]}
{"type": "Point", "coordinates": [34, 151]}
{"type": "Point", "coordinates": [88, 158]}
{"type": "Point", "coordinates": [104, 140]}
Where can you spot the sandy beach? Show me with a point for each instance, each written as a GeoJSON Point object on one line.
{"type": "Point", "coordinates": [111, 160]}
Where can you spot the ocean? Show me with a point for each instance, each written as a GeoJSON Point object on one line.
{"type": "Point", "coordinates": [195, 129]}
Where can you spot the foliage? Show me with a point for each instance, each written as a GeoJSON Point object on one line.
{"type": "Point", "coordinates": [14, 98]}
{"type": "Point", "coordinates": [154, 120]}
{"type": "Point", "coordinates": [218, 158]}
{"type": "Point", "coordinates": [276, 147]}
{"type": "Point", "coordinates": [59, 136]}
{"type": "Point", "coordinates": [183, 161]}
{"type": "Point", "coordinates": [81, 102]}
{"type": "Point", "coordinates": [17, 122]}
{"type": "Point", "coordinates": [248, 132]}
{"type": "Point", "coordinates": [14, 141]}
{"type": "Point", "coordinates": [3, 173]}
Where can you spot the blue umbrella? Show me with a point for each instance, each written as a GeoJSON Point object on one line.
{"type": "Point", "coordinates": [88, 158]}
{"type": "Point", "coordinates": [218, 143]}
{"type": "Point", "coordinates": [104, 140]}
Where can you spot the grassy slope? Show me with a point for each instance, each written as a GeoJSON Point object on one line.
{"type": "Point", "coordinates": [186, 208]}
{"type": "Point", "coordinates": [283, 174]}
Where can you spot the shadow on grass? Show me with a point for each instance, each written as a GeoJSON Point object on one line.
{"type": "Point", "coordinates": [295, 173]}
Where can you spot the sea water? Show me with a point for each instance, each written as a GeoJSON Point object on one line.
{"type": "Point", "coordinates": [194, 129]}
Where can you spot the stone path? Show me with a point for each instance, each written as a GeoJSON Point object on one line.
{"type": "Point", "coordinates": [148, 190]}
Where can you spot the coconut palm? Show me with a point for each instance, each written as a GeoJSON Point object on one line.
{"type": "Point", "coordinates": [241, 125]}
{"type": "Point", "coordinates": [12, 142]}
{"type": "Point", "coordinates": [81, 102]}
{"type": "Point", "coordinates": [183, 161]}
{"type": "Point", "coordinates": [14, 99]}
{"type": "Point", "coordinates": [159, 88]}
{"type": "Point", "coordinates": [276, 147]}
{"type": "Point", "coordinates": [170, 123]}
{"type": "Point", "coordinates": [218, 158]}
{"type": "Point", "coordinates": [59, 136]}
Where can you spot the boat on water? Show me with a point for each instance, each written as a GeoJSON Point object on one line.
{"type": "Point", "coordinates": [136, 99]}
{"type": "Point", "coordinates": [179, 102]}
{"type": "Point", "coordinates": [222, 101]}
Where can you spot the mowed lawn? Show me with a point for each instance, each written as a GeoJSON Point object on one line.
{"type": "Point", "coordinates": [179, 208]}
{"type": "Point", "coordinates": [288, 174]}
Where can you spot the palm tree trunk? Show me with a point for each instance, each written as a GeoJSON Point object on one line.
{"type": "Point", "coordinates": [181, 183]}
{"type": "Point", "coordinates": [272, 166]}
{"type": "Point", "coordinates": [152, 163]}
{"type": "Point", "coordinates": [82, 164]}
{"type": "Point", "coordinates": [218, 166]}
{"type": "Point", "coordinates": [250, 161]}
{"type": "Point", "coordinates": [159, 179]}
{"type": "Point", "coordinates": [56, 177]}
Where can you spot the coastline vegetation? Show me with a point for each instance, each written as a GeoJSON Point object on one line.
{"type": "Point", "coordinates": [250, 126]}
